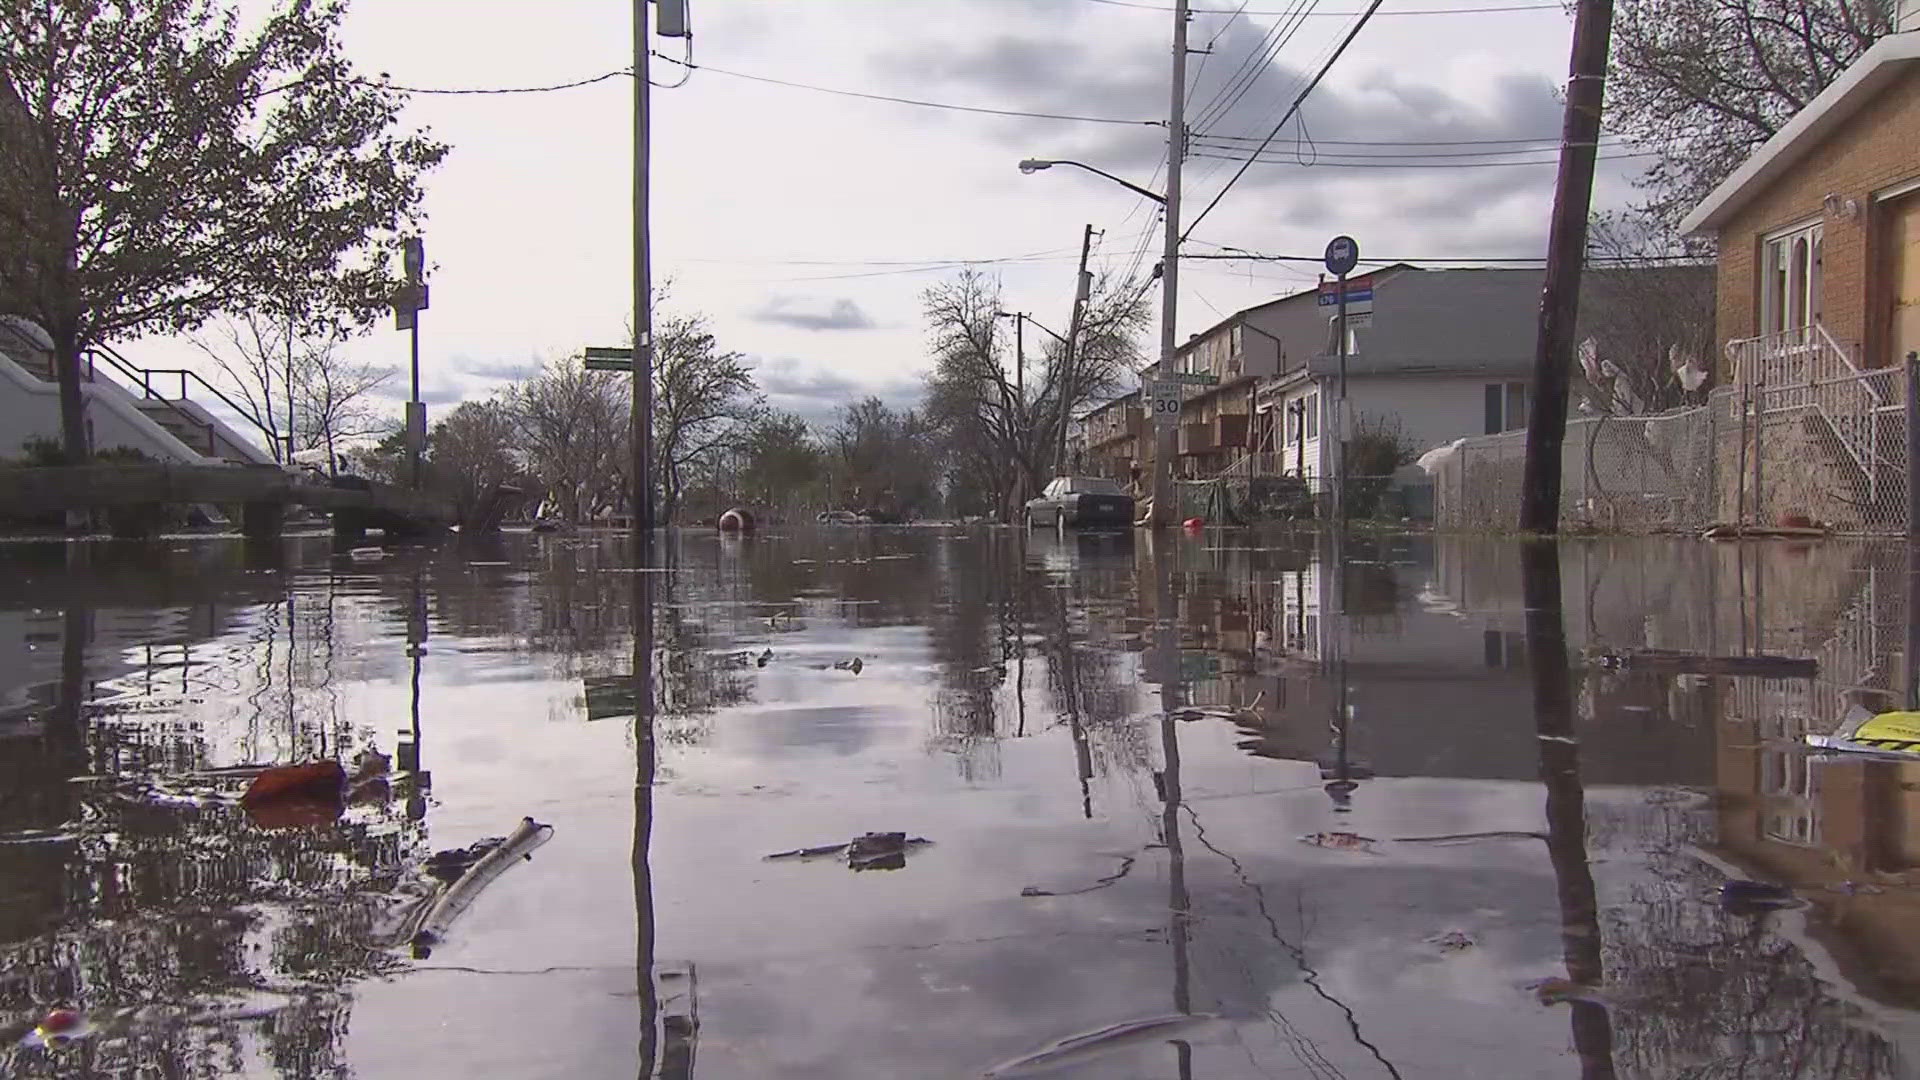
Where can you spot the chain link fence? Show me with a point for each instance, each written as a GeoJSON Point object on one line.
{"type": "Point", "coordinates": [1813, 449]}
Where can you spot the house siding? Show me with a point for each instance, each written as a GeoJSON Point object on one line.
{"type": "Point", "coordinates": [1874, 150]}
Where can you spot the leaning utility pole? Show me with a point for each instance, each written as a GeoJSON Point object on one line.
{"type": "Point", "coordinates": [1566, 258]}
{"type": "Point", "coordinates": [1166, 425]}
{"type": "Point", "coordinates": [1082, 289]}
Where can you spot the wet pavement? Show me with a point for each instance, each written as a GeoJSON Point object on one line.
{"type": "Point", "coordinates": [1342, 831]}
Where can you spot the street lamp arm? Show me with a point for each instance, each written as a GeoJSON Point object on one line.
{"type": "Point", "coordinates": [1034, 165]}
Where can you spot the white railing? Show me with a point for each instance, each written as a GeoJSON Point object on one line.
{"type": "Point", "coordinates": [1806, 370]}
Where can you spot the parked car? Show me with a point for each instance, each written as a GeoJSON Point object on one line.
{"type": "Point", "coordinates": [1081, 501]}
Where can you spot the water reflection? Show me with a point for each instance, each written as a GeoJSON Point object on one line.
{"type": "Point", "coordinates": [1115, 746]}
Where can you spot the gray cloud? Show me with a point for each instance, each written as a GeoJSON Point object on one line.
{"type": "Point", "coordinates": [1331, 184]}
{"type": "Point", "coordinates": [817, 395]}
{"type": "Point", "coordinates": [806, 313]}
{"type": "Point", "coordinates": [503, 370]}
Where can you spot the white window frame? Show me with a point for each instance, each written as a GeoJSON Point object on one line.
{"type": "Point", "coordinates": [1792, 277]}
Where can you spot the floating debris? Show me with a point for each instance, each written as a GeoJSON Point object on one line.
{"type": "Point", "coordinates": [763, 658]}
{"type": "Point", "coordinates": [1451, 941]}
{"type": "Point", "coordinates": [454, 900]}
{"type": "Point", "coordinates": [1341, 841]}
{"type": "Point", "coordinates": [1076, 1050]}
{"type": "Point", "coordinates": [868, 851]}
{"type": "Point", "coordinates": [854, 665]}
{"type": "Point", "coordinates": [1756, 897]}
{"type": "Point", "coordinates": [1555, 990]}
{"type": "Point", "coordinates": [1126, 866]}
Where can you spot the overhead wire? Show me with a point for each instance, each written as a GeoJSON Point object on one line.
{"type": "Point", "coordinates": [1408, 164]}
{"type": "Point", "coordinates": [1488, 10]}
{"type": "Point", "coordinates": [1256, 65]}
{"type": "Point", "coordinates": [918, 102]}
{"type": "Point", "coordinates": [1291, 109]}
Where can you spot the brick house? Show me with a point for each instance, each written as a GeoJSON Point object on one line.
{"type": "Point", "coordinates": [1819, 231]}
{"type": "Point", "coordinates": [1818, 290]}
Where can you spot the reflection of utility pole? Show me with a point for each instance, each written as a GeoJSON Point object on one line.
{"type": "Point", "coordinates": [1166, 645]}
{"type": "Point", "coordinates": [418, 779]}
{"type": "Point", "coordinates": [1070, 680]}
{"type": "Point", "coordinates": [1566, 802]}
{"type": "Point", "coordinates": [646, 763]}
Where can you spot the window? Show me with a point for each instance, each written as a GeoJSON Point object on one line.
{"type": "Point", "coordinates": [1310, 409]}
{"type": "Point", "coordinates": [1790, 295]}
{"type": "Point", "coordinates": [1506, 407]}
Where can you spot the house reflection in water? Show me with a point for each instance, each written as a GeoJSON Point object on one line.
{"type": "Point", "coordinates": [1438, 686]}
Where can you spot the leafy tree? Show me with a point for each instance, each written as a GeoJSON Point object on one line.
{"type": "Point", "coordinates": [163, 165]}
{"type": "Point", "coordinates": [1701, 83]}
{"type": "Point", "coordinates": [782, 463]}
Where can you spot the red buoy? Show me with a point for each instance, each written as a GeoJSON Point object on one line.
{"type": "Point", "coordinates": [1194, 524]}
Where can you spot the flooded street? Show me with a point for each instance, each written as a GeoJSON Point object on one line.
{"type": "Point", "coordinates": [1091, 835]}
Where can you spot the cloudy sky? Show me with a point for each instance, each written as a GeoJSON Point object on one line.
{"type": "Point", "coordinates": [805, 224]}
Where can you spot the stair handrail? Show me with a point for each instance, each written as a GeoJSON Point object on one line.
{"type": "Point", "coordinates": [120, 364]}
{"type": "Point", "coordinates": [128, 368]}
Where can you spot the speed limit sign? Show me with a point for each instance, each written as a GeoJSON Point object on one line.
{"type": "Point", "coordinates": [1164, 401]}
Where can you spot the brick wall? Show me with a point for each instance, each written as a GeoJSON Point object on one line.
{"type": "Point", "coordinates": [1872, 151]}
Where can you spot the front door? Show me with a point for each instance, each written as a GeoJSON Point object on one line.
{"type": "Point", "coordinates": [1903, 236]}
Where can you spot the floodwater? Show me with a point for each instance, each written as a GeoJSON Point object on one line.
{"type": "Point", "coordinates": [1343, 822]}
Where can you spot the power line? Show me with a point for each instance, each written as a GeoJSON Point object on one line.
{"type": "Point", "coordinates": [1047, 253]}
{"type": "Point", "coordinates": [1256, 63]}
{"type": "Point", "coordinates": [949, 106]}
{"type": "Point", "coordinates": [1206, 144]}
{"type": "Point", "coordinates": [1250, 256]}
{"type": "Point", "coordinates": [1416, 164]}
{"type": "Point", "coordinates": [1410, 11]}
{"type": "Point", "coordinates": [1288, 115]}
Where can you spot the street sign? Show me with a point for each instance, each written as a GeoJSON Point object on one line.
{"type": "Point", "coordinates": [1355, 295]}
{"type": "Point", "coordinates": [1359, 321]}
{"type": "Point", "coordinates": [1343, 254]}
{"type": "Point", "coordinates": [602, 358]}
{"type": "Point", "coordinates": [1163, 396]}
{"type": "Point", "coordinates": [1195, 378]}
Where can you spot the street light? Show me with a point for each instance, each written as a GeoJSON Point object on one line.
{"type": "Point", "coordinates": [1034, 165]}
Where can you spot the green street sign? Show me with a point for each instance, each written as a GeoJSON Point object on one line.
{"type": "Point", "coordinates": [1195, 378]}
{"type": "Point", "coordinates": [601, 358]}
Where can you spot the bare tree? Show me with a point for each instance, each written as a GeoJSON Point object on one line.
{"type": "Point", "coordinates": [472, 452]}
{"type": "Point", "coordinates": [1648, 311]}
{"type": "Point", "coordinates": [1001, 432]}
{"type": "Point", "coordinates": [573, 426]}
{"type": "Point", "coordinates": [702, 397]}
{"type": "Point", "coordinates": [1701, 83]}
{"type": "Point", "coordinates": [162, 165]}
{"type": "Point", "coordinates": [332, 395]}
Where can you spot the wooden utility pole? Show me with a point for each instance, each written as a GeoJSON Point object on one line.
{"type": "Point", "coordinates": [1166, 428]}
{"type": "Point", "coordinates": [1082, 289]}
{"type": "Point", "coordinates": [1566, 259]}
{"type": "Point", "coordinates": [642, 418]}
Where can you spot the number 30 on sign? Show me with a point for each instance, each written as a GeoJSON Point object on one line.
{"type": "Point", "coordinates": [1164, 400]}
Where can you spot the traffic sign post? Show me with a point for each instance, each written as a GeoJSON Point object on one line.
{"type": "Point", "coordinates": [1163, 400]}
{"type": "Point", "coordinates": [1195, 378]}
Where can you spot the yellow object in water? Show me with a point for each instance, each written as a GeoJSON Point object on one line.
{"type": "Point", "coordinates": [1891, 730]}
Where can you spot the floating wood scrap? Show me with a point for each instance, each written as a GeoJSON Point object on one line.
{"type": "Point", "coordinates": [1762, 666]}
{"type": "Point", "coordinates": [1735, 531]}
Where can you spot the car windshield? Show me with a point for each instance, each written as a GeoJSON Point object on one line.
{"type": "Point", "coordinates": [1093, 485]}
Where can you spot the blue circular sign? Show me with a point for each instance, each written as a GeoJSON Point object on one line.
{"type": "Point", "coordinates": [1343, 254]}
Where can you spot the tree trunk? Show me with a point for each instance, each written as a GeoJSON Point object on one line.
{"type": "Point", "coordinates": [73, 413]}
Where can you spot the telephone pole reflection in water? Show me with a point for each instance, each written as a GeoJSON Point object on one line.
{"type": "Point", "coordinates": [669, 1015]}
{"type": "Point", "coordinates": [1166, 632]}
{"type": "Point", "coordinates": [1566, 805]}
